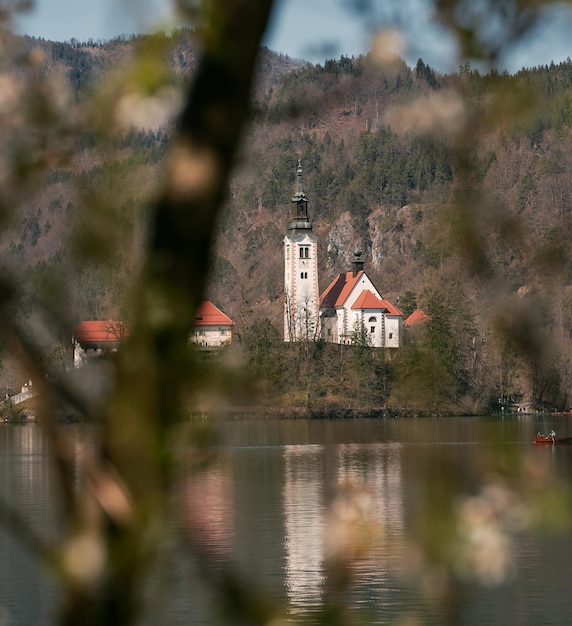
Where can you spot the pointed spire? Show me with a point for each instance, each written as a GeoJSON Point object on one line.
{"type": "Point", "coordinates": [299, 196]}
{"type": "Point", "coordinates": [300, 220]}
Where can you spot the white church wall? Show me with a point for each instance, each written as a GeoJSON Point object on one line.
{"type": "Point", "coordinates": [373, 322]}
{"type": "Point", "coordinates": [386, 328]}
{"type": "Point", "coordinates": [343, 330]}
{"type": "Point", "coordinates": [392, 331]}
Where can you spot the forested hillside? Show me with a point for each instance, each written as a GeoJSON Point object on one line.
{"type": "Point", "coordinates": [470, 226]}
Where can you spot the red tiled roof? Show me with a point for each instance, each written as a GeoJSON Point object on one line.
{"type": "Point", "coordinates": [209, 315]}
{"type": "Point", "coordinates": [368, 300]}
{"type": "Point", "coordinates": [339, 289]}
{"type": "Point", "coordinates": [417, 317]}
{"type": "Point", "coordinates": [391, 309]}
{"type": "Point", "coordinates": [100, 331]}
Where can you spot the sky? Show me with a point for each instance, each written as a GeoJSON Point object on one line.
{"type": "Point", "coordinates": [314, 30]}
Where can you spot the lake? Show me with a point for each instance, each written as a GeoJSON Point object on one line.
{"type": "Point", "coordinates": [281, 496]}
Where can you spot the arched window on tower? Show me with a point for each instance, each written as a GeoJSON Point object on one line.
{"type": "Point", "coordinates": [372, 319]}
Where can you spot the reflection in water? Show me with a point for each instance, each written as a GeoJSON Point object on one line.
{"type": "Point", "coordinates": [25, 484]}
{"type": "Point", "coordinates": [304, 508]}
{"type": "Point", "coordinates": [267, 503]}
{"type": "Point", "coordinates": [376, 471]}
{"type": "Point", "coordinates": [379, 468]}
{"type": "Point", "coordinates": [209, 510]}
{"type": "Point", "coordinates": [371, 500]}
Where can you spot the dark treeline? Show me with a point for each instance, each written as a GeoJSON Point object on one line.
{"type": "Point", "coordinates": [443, 367]}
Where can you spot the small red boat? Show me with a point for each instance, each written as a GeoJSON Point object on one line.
{"type": "Point", "coordinates": [551, 439]}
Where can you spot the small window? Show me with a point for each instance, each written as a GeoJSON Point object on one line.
{"type": "Point", "coordinates": [372, 330]}
{"type": "Point", "coordinates": [391, 335]}
{"type": "Point", "coordinates": [307, 253]}
{"type": "Point", "coordinates": [372, 319]}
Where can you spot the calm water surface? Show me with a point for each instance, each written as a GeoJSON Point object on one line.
{"type": "Point", "coordinates": [266, 504]}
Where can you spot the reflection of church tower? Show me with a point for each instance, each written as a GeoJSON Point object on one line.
{"type": "Point", "coordinates": [304, 526]}
{"type": "Point", "coordinates": [301, 292]}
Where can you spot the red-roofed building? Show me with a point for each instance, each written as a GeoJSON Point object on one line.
{"type": "Point", "coordinates": [213, 329]}
{"type": "Point", "coordinates": [94, 338]}
{"type": "Point", "coordinates": [350, 301]}
{"type": "Point", "coordinates": [417, 318]}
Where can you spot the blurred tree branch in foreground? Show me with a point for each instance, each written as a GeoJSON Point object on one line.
{"type": "Point", "coordinates": [113, 525]}
{"type": "Point", "coordinates": [154, 365]}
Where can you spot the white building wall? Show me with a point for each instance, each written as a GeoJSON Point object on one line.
{"type": "Point", "coordinates": [377, 335]}
{"type": "Point", "coordinates": [387, 328]}
{"type": "Point", "coordinates": [355, 319]}
{"type": "Point", "coordinates": [81, 356]}
{"type": "Point", "coordinates": [344, 328]}
{"type": "Point", "coordinates": [392, 331]}
{"type": "Point", "coordinates": [301, 290]}
{"type": "Point", "coordinates": [212, 336]}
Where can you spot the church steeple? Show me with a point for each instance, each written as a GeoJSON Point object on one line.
{"type": "Point", "coordinates": [301, 294]}
{"type": "Point", "coordinates": [300, 222]}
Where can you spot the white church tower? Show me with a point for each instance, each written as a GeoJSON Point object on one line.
{"type": "Point", "coordinates": [301, 290]}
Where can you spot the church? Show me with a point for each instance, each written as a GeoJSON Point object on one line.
{"type": "Point", "coordinates": [350, 306]}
